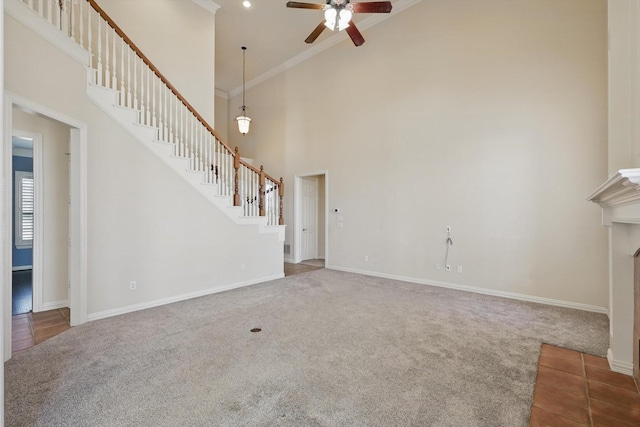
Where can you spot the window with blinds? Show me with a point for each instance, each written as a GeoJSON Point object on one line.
{"type": "Point", "coordinates": [24, 209]}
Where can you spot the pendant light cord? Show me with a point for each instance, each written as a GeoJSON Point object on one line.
{"type": "Point", "coordinates": [244, 51]}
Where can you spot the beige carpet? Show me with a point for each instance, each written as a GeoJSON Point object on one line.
{"type": "Point", "coordinates": [336, 349]}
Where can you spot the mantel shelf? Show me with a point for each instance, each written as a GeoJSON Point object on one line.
{"type": "Point", "coordinates": [619, 197]}
{"type": "Point", "coordinates": [621, 189]}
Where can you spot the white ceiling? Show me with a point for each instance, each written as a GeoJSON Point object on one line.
{"type": "Point", "coordinates": [274, 36]}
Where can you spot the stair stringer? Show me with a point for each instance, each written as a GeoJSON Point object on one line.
{"type": "Point", "coordinates": [107, 100]}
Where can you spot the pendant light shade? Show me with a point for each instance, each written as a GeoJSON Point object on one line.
{"type": "Point", "coordinates": [243, 123]}
{"type": "Point", "coordinates": [242, 119]}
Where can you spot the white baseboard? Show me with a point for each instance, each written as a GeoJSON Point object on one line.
{"type": "Point", "coordinates": [504, 294]}
{"type": "Point", "coordinates": [54, 305]}
{"type": "Point", "coordinates": [177, 298]}
{"type": "Point", "coordinates": [289, 260]}
{"type": "Point", "coordinates": [22, 268]}
{"type": "Point", "coordinates": [617, 366]}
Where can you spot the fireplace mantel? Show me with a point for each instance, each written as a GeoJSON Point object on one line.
{"type": "Point", "coordinates": [619, 197]}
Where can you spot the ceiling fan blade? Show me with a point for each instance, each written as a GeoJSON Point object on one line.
{"type": "Point", "coordinates": [372, 7]}
{"type": "Point", "coordinates": [300, 5]}
{"type": "Point", "coordinates": [354, 33]}
{"type": "Point", "coordinates": [315, 33]}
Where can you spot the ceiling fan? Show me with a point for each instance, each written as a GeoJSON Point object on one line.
{"type": "Point", "coordinates": [338, 14]}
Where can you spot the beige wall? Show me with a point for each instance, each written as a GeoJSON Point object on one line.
{"type": "Point", "coordinates": [55, 209]}
{"type": "Point", "coordinates": [143, 222]}
{"type": "Point", "coordinates": [487, 116]}
{"type": "Point", "coordinates": [178, 36]}
{"type": "Point", "coordinates": [222, 118]}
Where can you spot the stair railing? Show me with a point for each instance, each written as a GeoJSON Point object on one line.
{"type": "Point", "coordinates": [120, 65]}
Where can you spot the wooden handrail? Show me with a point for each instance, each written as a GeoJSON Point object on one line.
{"type": "Point", "coordinates": [155, 70]}
{"type": "Point", "coordinates": [256, 170]}
{"type": "Point", "coordinates": [237, 162]}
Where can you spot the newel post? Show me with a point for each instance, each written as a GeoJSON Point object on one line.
{"type": "Point", "coordinates": [261, 191]}
{"type": "Point", "coordinates": [236, 166]}
{"type": "Point", "coordinates": [281, 194]}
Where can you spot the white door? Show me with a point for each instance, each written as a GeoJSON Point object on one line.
{"type": "Point", "coordinates": [309, 241]}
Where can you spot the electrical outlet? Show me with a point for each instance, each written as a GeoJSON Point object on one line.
{"type": "Point", "coordinates": [460, 269]}
{"type": "Point", "coordinates": [436, 266]}
{"type": "Point", "coordinates": [243, 267]}
{"type": "Point", "coordinates": [366, 258]}
{"type": "Point", "coordinates": [132, 285]}
{"type": "Point", "coordinates": [448, 229]}
{"type": "Point", "coordinates": [447, 267]}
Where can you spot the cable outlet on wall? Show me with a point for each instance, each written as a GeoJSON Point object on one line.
{"type": "Point", "coordinates": [366, 258]}
{"type": "Point", "coordinates": [243, 267]}
{"type": "Point", "coordinates": [133, 285]}
{"type": "Point", "coordinates": [460, 269]}
{"type": "Point", "coordinates": [436, 266]}
{"type": "Point", "coordinates": [448, 229]}
{"type": "Point", "coordinates": [447, 267]}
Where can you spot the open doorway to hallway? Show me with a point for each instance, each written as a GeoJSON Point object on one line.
{"type": "Point", "coordinates": [40, 247]}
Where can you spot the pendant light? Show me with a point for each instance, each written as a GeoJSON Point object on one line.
{"type": "Point", "coordinates": [243, 120]}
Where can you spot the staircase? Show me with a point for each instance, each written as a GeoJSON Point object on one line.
{"type": "Point", "coordinates": [130, 89]}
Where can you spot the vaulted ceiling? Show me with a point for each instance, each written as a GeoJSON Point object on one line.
{"type": "Point", "coordinates": [274, 35]}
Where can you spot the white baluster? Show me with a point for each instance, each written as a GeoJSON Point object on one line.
{"type": "Point", "coordinates": [154, 120]}
{"type": "Point", "coordinates": [99, 54]}
{"type": "Point", "coordinates": [58, 12]}
{"type": "Point", "coordinates": [135, 82]}
{"type": "Point", "coordinates": [176, 122]}
{"type": "Point", "coordinates": [107, 66]}
{"type": "Point", "coordinates": [89, 45]}
{"type": "Point", "coordinates": [81, 23]}
{"type": "Point", "coordinates": [159, 118]}
{"type": "Point", "coordinates": [114, 64]}
{"type": "Point", "coordinates": [49, 13]}
{"type": "Point", "coordinates": [178, 127]}
{"type": "Point", "coordinates": [64, 18]}
{"type": "Point", "coordinates": [123, 96]}
{"type": "Point", "coordinates": [71, 19]}
{"type": "Point", "coordinates": [129, 97]}
{"type": "Point", "coordinates": [168, 114]}
{"type": "Point", "coordinates": [148, 120]}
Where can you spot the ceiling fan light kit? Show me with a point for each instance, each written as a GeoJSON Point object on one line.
{"type": "Point", "coordinates": [338, 13]}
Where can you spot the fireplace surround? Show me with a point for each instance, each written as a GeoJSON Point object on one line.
{"type": "Point", "coordinates": [619, 198]}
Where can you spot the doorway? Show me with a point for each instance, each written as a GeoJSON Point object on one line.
{"type": "Point", "coordinates": [310, 218]}
{"type": "Point", "coordinates": [65, 265]}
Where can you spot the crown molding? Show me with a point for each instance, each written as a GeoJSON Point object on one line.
{"type": "Point", "coordinates": [221, 94]}
{"type": "Point", "coordinates": [209, 5]}
{"type": "Point", "coordinates": [324, 45]}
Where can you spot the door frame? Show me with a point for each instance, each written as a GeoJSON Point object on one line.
{"type": "Point", "coordinates": [78, 211]}
{"type": "Point", "coordinates": [37, 279]}
{"type": "Point", "coordinates": [314, 180]}
{"type": "Point", "coordinates": [297, 214]}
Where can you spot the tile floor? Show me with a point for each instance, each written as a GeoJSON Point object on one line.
{"type": "Point", "coordinates": [577, 389]}
{"type": "Point", "coordinates": [29, 329]}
